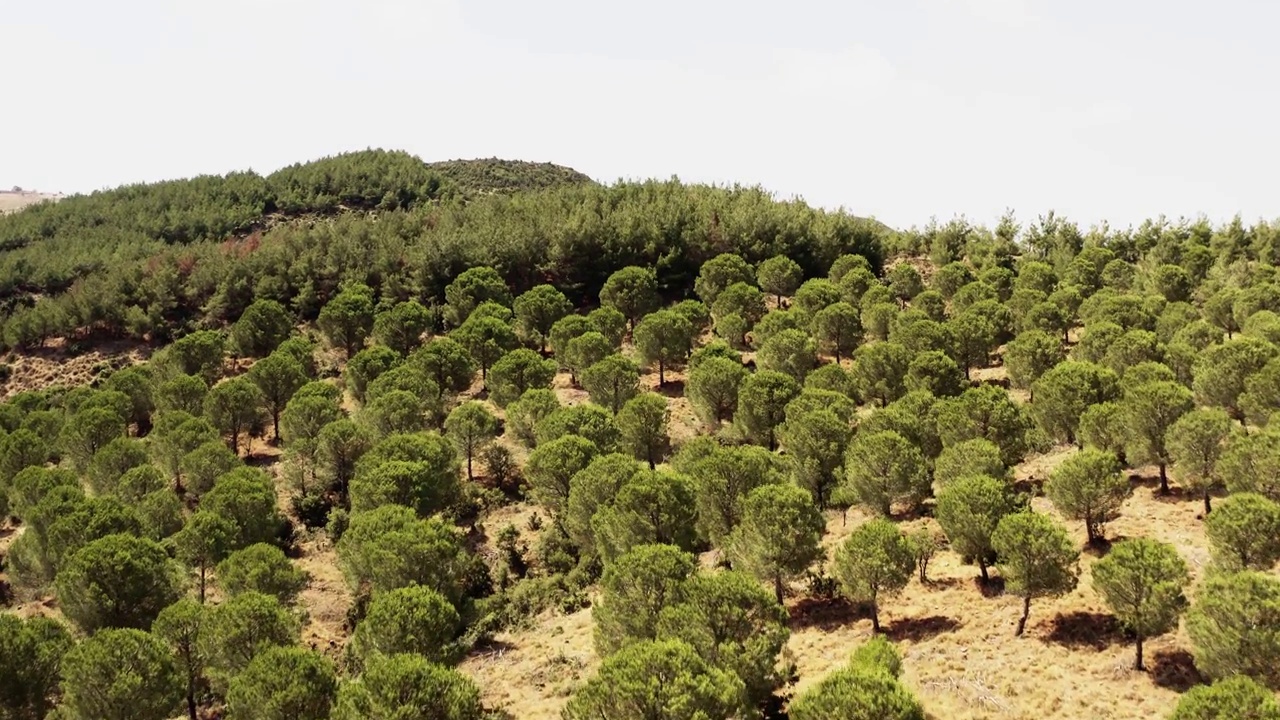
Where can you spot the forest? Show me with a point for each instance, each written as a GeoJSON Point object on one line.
{"type": "Point", "coordinates": [485, 440]}
{"type": "Point", "coordinates": [158, 261]}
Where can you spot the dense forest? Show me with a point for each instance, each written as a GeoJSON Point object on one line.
{"type": "Point", "coordinates": [712, 411]}
{"type": "Point", "coordinates": [157, 261]}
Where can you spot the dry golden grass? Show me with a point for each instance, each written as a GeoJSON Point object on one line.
{"type": "Point", "coordinates": [326, 597]}
{"type": "Point", "coordinates": [960, 653]}
{"type": "Point", "coordinates": [532, 673]}
{"type": "Point", "coordinates": [53, 365]}
{"type": "Point", "coordinates": [567, 392]}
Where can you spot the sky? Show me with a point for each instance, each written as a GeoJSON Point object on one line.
{"type": "Point", "coordinates": [1114, 110]}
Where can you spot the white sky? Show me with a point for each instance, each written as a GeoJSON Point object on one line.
{"type": "Point", "coordinates": [903, 109]}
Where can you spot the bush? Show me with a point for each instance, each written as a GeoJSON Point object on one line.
{"type": "Point", "coordinates": [339, 519]}
{"type": "Point", "coordinates": [313, 507]}
{"type": "Point", "coordinates": [517, 605]}
{"type": "Point", "coordinates": [878, 654]}
{"type": "Point", "coordinates": [1236, 698]}
{"type": "Point", "coordinates": [502, 469]}
{"type": "Point", "coordinates": [261, 568]}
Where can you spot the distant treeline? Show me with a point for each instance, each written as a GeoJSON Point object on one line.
{"type": "Point", "coordinates": [161, 259]}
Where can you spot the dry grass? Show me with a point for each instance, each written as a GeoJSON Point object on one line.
{"type": "Point", "coordinates": [53, 365]}
{"type": "Point", "coordinates": [960, 653]}
{"type": "Point", "coordinates": [567, 392]}
{"type": "Point", "coordinates": [14, 201]}
{"type": "Point", "coordinates": [532, 673]}
{"type": "Point", "coordinates": [325, 597]}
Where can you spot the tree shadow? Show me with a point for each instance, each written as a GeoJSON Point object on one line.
{"type": "Point", "coordinates": [1085, 629]}
{"type": "Point", "coordinates": [671, 389]}
{"type": "Point", "coordinates": [825, 614]}
{"type": "Point", "coordinates": [1175, 495]}
{"type": "Point", "coordinates": [945, 583]}
{"type": "Point", "coordinates": [1002, 383]}
{"type": "Point", "coordinates": [260, 461]}
{"type": "Point", "coordinates": [490, 646]}
{"type": "Point", "coordinates": [990, 588]}
{"type": "Point", "coordinates": [1027, 486]}
{"type": "Point", "coordinates": [915, 511]}
{"type": "Point", "coordinates": [917, 629]}
{"type": "Point", "coordinates": [1175, 670]}
{"type": "Point", "coordinates": [1147, 481]}
{"type": "Point", "coordinates": [1152, 482]}
{"type": "Point", "coordinates": [1100, 546]}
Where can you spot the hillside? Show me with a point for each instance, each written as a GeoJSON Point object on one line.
{"type": "Point", "coordinates": [483, 177]}
{"type": "Point", "coordinates": [155, 261]}
{"type": "Point", "coordinates": [515, 455]}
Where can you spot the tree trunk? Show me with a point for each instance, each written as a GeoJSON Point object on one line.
{"type": "Point", "coordinates": [649, 456]}
{"type": "Point", "coordinates": [203, 569]}
{"type": "Point", "coordinates": [191, 697]}
{"type": "Point", "coordinates": [235, 442]}
{"type": "Point", "coordinates": [1164, 480]}
{"type": "Point", "coordinates": [1137, 665]}
{"type": "Point", "coordinates": [1208, 506]}
{"type": "Point", "coordinates": [275, 423]}
{"type": "Point", "coordinates": [777, 586]}
{"type": "Point", "coordinates": [982, 568]}
{"type": "Point", "coordinates": [662, 376]}
{"type": "Point", "coordinates": [470, 476]}
{"type": "Point", "coordinates": [1090, 532]}
{"type": "Point", "coordinates": [875, 618]}
{"type": "Point", "coordinates": [1026, 612]}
